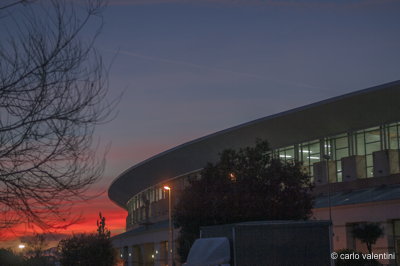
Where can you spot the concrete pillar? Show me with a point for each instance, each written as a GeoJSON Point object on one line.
{"type": "Point", "coordinates": [391, 238]}
{"type": "Point", "coordinates": [137, 256]}
{"type": "Point", "coordinates": [143, 253]}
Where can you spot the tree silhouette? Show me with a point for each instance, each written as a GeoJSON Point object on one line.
{"type": "Point", "coordinates": [101, 227]}
{"type": "Point", "coordinates": [35, 245]}
{"type": "Point", "coordinates": [53, 89]}
{"type": "Point", "coordinates": [368, 233]}
{"type": "Point", "coordinates": [244, 185]}
{"type": "Point", "coordinates": [88, 249]}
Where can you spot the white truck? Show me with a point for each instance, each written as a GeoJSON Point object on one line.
{"type": "Point", "coordinates": [263, 243]}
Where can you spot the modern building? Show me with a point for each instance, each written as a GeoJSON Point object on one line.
{"type": "Point", "coordinates": [349, 145]}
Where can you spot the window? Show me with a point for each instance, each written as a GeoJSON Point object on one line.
{"type": "Point", "coordinates": [340, 149]}
{"type": "Point", "coordinates": [393, 136]}
{"type": "Point", "coordinates": [309, 153]}
{"type": "Point", "coordinates": [152, 195]}
{"type": "Point", "coordinates": [285, 154]}
{"type": "Point", "coordinates": [368, 141]}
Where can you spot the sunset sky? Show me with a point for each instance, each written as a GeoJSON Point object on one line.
{"type": "Point", "coordinates": [188, 68]}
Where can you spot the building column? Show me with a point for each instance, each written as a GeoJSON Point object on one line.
{"type": "Point", "coordinates": [137, 256]}
{"type": "Point", "coordinates": [144, 259]}
{"type": "Point", "coordinates": [390, 231]}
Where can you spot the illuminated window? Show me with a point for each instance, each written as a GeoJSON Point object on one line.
{"type": "Point", "coordinates": [309, 153]}
{"type": "Point", "coordinates": [393, 136]}
{"type": "Point", "coordinates": [152, 195]}
{"type": "Point", "coordinates": [368, 141]}
{"type": "Point", "coordinates": [337, 147]}
{"type": "Point", "coordinates": [232, 177]}
{"type": "Point", "coordinates": [285, 154]}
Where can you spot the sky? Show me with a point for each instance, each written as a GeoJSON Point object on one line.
{"type": "Point", "coordinates": [188, 68]}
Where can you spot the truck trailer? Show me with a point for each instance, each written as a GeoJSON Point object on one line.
{"type": "Point", "coordinates": [269, 243]}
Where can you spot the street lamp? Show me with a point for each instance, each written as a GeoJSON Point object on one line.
{"type": "Point", "coordinates": [171, 232]}
{"type": "Point", "coordinates": [327, 158]}
{"type": "Point", "coordinates": [21, 248]}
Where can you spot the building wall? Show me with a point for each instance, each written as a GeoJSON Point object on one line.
{"type": "Point", "coordinates": [149, 247]}
{"type": "Point", "coordinates": [151, 205]}
{"type": "Point", "coordinates": [387, 213]}
{"type": "Point", "coordinates": [336, 143]}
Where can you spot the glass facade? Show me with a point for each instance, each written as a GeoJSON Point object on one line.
{"type": "Point", "coordinates": [309, 153]}
{"type": "Point", "coordinates": [368, 141]}
{"type": "Point", "coordinates": [361, 142]}
{"type": "Point", "coordinates": [143, 205]}
{"type": "Point", "coordinates": [153, 202]}
{"type": "Point", "coordinates": [286, 154]}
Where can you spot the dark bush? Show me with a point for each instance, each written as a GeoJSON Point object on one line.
{"type": "Point", "coordinates": [86, 250]}
{"type": "Point", "coordinates": [8, 258]}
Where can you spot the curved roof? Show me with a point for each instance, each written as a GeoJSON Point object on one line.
{"type": "Point", "coordinates": [357, 110]}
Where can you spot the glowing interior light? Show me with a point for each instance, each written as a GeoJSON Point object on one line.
{"type": "Point", "coordinates": [232, 177]}
{"type": "Point", "coordinates": [285, 156]}
{"type": "Point", "coordinates": [152, 256]}
{"type": "Point", "coordinates": [21, 246]}
{"type": "Point", "coordinates": [167, 188]}
{"type": "Point", "coordinates": [313, 157]}
{"type": "Point", "coordinates": [156, 251]}
{"type": "Point", "coordinates": [130, 254]}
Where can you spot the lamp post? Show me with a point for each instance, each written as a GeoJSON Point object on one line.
{"type": "Point", "coordinates": [171, 232]}
{"type": "Point", "coordinates": [327, 158]}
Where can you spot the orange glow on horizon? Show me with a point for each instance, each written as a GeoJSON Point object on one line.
{"type": "Point", "coordinates": [89, 213]}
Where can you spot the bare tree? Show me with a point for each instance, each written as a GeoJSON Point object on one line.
{"type": "Point", "coordinates": [35, 245]}
{"type": "Point", "coordinates": [53, 90]}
